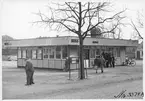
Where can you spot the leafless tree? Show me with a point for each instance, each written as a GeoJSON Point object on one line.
{"type": "Point", "coordinates": [80, 18]}
{"type": "Point", "coordinates": [140, 25]}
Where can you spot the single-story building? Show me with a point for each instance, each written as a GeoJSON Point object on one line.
{"type": "Point", "coordinates": [51, 52]}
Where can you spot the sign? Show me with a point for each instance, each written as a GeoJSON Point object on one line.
{"type": "Point", "coordinates": [74, 40]}
{"type": "Point", "coordinates": [7, 43]}
{"type": "Point", "coordinates": [95, 42]}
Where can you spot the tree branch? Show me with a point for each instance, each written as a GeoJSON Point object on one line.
{"type": "Point", "coordinates": [133, 25]}
{"type": "Point", "coordinates": [102, 22]}
{"type": "Point", "coordinates": [75, 12]}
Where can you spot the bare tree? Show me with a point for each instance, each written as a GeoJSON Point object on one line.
{"type": "Point", "coordinates": [140, 25]}
{"type": "Point", "coordinates": [79, 18]}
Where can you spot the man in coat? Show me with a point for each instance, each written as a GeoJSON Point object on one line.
{"type": "Point", "coordinates": [113, 60]}
{"type": "Point", "coordinates": [29, 72]}
{"type": "Point", "coordinates": [67, 64]}
{"type": "Point", "coordinates": [100, 63]}
{"type": "Point", "coordinates": [107, 59]}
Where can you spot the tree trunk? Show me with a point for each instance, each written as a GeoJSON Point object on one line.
{"type": "Point", "coordinates": [81, 59]}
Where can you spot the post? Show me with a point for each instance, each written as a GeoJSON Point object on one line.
{"type": "Point", "coordinates": [69, 60]}
{"type": "Point", "coordinates": [86, 73]}
{"type": "Point", "coordinates": [85, 62]}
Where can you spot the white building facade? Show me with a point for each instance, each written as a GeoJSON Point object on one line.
{"type": "Point", "coordinates": [51, 52]}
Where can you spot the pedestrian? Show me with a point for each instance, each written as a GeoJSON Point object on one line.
{"type": "Point", "coordinates": [29, 72]}
{"type": "Point", "coordinates": [109, 60]}
{"type": "Point", "coordinates": [113, 60]}
{"type": "Point", "coordinates": [99, 62]}
{"type": "Point", "coordinates": [103, 54]}
{"type": "Point", "coordinates": [67, 64]}
{"type": "Point", "coordinates": [104, 57]}
{"type": "Point", "coordinates": [126, 59]}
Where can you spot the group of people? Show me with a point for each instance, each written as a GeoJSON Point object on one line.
{"type": "Point", "coordinates": [109, 59]}
{"type": "Point", "coordinates": [99, 61]}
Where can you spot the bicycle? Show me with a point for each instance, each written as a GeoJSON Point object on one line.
{"type": "Point", "coordinates": [130, 62]}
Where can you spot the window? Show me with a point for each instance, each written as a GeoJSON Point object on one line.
{"type": "Point", "coordinates": [97, 52]}
{"type": "Point", "coordinates": [19, 53]}
{"type": "Point", "coordinates": [23, 53]}
{"type": "Point", "coordinates": [39, 54]}
{"type": "Point", "coordinates": [118, 52]}
{"type": "Point", "coordinates": [58, 52]}
{"type": "Point", "coordinates": [28, 53]}
{"type": "Point", "coordinates": [51, 51]}
{"type": "Point", "coordinates": [6, 43]}
{"type": "Point", "coordinates": [64, 52]}
{"type": "Point", "coordinates": [33, 54]}
{"type": "Point", "coordinates": [92, 55]}
{"type": "Point", "coordinates": [45, 52]}
{"type": "Point", "coordinates": [110, 49]}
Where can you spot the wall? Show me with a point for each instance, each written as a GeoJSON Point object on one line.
{"type": "Point", "coordinates": [122, 55]}
{"type": "Point", "coordinates": [60, 63]}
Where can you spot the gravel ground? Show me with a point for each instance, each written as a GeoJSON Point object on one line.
{"type": "Point", "coordinates": [50, 84]}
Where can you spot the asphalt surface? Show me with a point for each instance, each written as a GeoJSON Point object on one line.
{"type": "Point", "coordinates": [51, 84]}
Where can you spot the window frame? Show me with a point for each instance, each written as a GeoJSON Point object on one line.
{"type": "Point", "coordinates": [25, 51]}
{"type": "Point", "coordinates": [97, 51]}
{"type": "Point", "coordinates": [41, 54]}
{"type": "Point", "coordinates": [46, 52]}
{"type": "Point", "coordinates": [51, 50]}
{"type": "Point", "coordinates": [118, 51]}
{"type": "Point", "coordinates": [20, 54]}
{"type": "Point", "coordinates": [92, 53]}
{"type": "Point", "coordinates": [60, 52]}
{"type": "Point", "coordinates": [64, 51]}
{"type": "Point", "coordinates": [32, 54]}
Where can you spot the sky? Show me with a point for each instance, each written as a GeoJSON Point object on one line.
{"type": "Point", "coordinates": [16, 17]}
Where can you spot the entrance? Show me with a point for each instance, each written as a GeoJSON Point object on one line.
{"type": "Point", "coordinates": [86, 58]}
{"type": "Point", "coordinates": [86, 54]}
{"type": "Point", "coordinates": [138, 54]}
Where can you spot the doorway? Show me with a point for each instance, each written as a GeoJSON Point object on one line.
{"type": "Point", "coordinates": [86, 58]}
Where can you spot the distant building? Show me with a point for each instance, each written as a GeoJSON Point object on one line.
{"type": "Point", "coordinates": [6, 50]}
{"type": "Point", "coordinates": [131, 52]}
{"type": "Point", "coordinates": [51, 52]}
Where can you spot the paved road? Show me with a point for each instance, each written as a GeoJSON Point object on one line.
{"type": "Point", "coordinates": [52, 84]}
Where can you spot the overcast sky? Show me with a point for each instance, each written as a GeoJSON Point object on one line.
{"type": "Point", "coordinates": [17, 15]}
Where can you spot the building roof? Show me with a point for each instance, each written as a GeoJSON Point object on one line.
{"type": "Point", "coordinates": [71, 40]}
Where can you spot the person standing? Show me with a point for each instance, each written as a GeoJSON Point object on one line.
{"type": "Point", "coordinates": [29, 72]}
{"type": "Point", "coordinates": [67, 64]}
{"type": "Point", "coordinates": [109, 60]}
{"type": "Point", "coordinates": [113, 60]}
{"type": "Point", "coordinates": [103, 54]}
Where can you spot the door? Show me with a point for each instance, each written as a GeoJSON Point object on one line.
{"type": "Point", "coordinates": [138, 54]}
{"type": "Point", "coordinates": [86, 54]}
{"type": "Point", "coordinates": [45, 58]}
{"type": "Point", "coordinates": [86, 58]}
